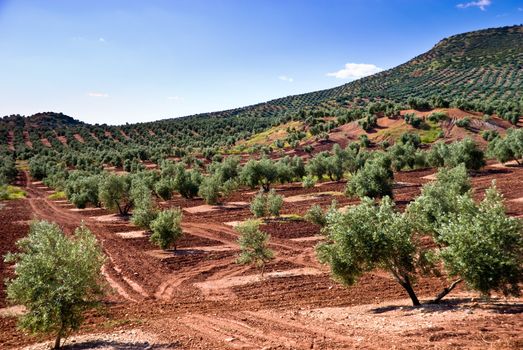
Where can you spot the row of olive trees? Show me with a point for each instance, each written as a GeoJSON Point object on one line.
{"type": "Point", "coordinates": [473, 242]}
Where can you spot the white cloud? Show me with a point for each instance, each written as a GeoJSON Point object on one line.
{"type": "Point", "coordinates": [97, 94]}
{"type": "Point", "coordinates": [482, 4]}
{"type": "Point", "coordinates": [355, 71]}
{"type": "Point", "coordinates": [102, 40]}
{"type": "Point", "coordinates": [286, 78]}
{"type": "Point", "coordinates": [175, 98]}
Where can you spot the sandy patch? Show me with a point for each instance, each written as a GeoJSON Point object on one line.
{"type": "Point", "coordinates": [430, 177]}
{"type": "Point", "coordinates": [167, 254]}
{"type": "Point", "coordinates": [235, 281]}
{"type": "Point", "coordinates": [12, 311]}
{"type": "Point", "coordinates": [208, 208]}
{"type": "Point", "coordinates": [131, 234]}
{"type": "Point", "coordinates": [232, 223]}
{"type": "Point", "coordinates": [110, 218]}
{"type": "Point", "coordinates": [84, 209]}
{"type": "Point", "coordinates": [134, 339]}
{"type": "Point", "coordinates": [517, 200]}
{"type": "Point", "coordinates": [404, 184]}
{"type": "Point", "coordinates": [397, 316]}
{"type": "Point", "coordinates": [307, 239]}
{"type": "Point", "coordinates": [312, 196]}
{"type": "Point", "coordinates": [510, 164]}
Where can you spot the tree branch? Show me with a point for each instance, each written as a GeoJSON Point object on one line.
{"type": "Point", "coordinates": [445, 291]}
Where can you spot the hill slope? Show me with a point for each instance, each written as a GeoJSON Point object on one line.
{"type": "Point", "coordinates": [484, 66]}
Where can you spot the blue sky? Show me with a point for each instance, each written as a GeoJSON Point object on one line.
{"type": "Point", "coordinates": [117, 61]}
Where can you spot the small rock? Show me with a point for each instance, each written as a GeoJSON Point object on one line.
{"type": "Point", "coordinates": [230, 339]}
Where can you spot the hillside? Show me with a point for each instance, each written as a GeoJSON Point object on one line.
{"type": "Point", "coordinates": [480, 71]}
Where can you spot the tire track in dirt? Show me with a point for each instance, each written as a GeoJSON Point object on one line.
{"type": "Point", "coordinates": [45, 209]}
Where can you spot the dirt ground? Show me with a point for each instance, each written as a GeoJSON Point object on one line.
{"type": "Point", "coordinates": [198, 298]}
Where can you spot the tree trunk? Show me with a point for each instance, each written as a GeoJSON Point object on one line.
{"type": "Point", "coordinates": [446, 291]}
{"type": "Point", "coordinates": [58, 340]}
{"type": "Point", "coordinates": [408, 287]}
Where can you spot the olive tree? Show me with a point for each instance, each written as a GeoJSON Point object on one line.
{"type": "Point", "coordinates": [368, 237]}
{"type": "Point", "coordinates": [144, 211]}
{"type": "Point", "coordinates": [483, 246]}
{"type": "Point", "coordinates": [261, 172]}
{"type": "Point", "coordinates": [57, 278]}
{"type": "Point", "coordinates": [166, 228]}
{"type": "Point", "coordinates": [253, 245]}
{"type": "Point", "coordinates": [115, 193]}
{"type": "Point", "coordinates": [373, 180]}
{"type": "Point", "coordinates": [508, 148]}
{"type": "Point", "coordinates": [438, 199]}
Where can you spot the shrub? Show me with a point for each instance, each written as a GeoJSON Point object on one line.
{"type": "Point", "coordinates": [316, 215]}
{"type": "Point", "coordinates": [508, 148]}
{"type": "Point", "coordinates": [308, 181]}
{"type": "Point", "coordinates": [144, 210]}
{"type": "Point", "coordinates": [437, 117]}
{"type": "Point", "coordinates": [412, 119]}
{"type": "Point", "coordinates": [187, 183]}
{"type": "Point", "coordinates": [164, 188]}
{"type": "Point", "coordinates": [489, 135]}
{"type": "Point", "coordinates": [210, 189]}
{"type": "Point", "coordinates": [259, 205]}
{"type": "Point", "coordinates": [463, 123]}
{"type": "Point", "coordinates": [57, 278]}
{"type": "Point", "coordinates": [166, 228]}
{"type": "Point", "coordinates": [253, 245]}
{"type": "Point", "coordinates": [82, 189]}
{"type": "Point", "coordinates": [274, 203]}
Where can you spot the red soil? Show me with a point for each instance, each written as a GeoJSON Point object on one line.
{"type": "Point", "coordinates": [198, 298]}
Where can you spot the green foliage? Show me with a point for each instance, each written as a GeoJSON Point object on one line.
{"type": "Point", "coordinates": [261, 172]}
{"type": "Point", "coordinates": [264, 204]}
{"type": "Point", "coordinates": [462, 152]}
{"type": "Point", "coordinates": [166, 228]}
{"type": "Point", "coordinates": [144, 211]}
{"type": "Point", "coordinates": [274, 203]}
{"type": "Point", "coordinates": [437, 117]}
{"type": "Point", "coordinates": [210, 189]}
{"type": "Point", "coordinates": [186, 182]}
{"type": "Point", "coordinates": [57, 196]}
{"type": "Point", "coordinates": [508, 148]}
{"type": "Point", "coordinates": [316, 215]}
{"type": "Point", "coordinates": [412, 119]}
{"type": "Point", "coordinates": [259, 205]}
{"type": "Point", "coordinates": [11, 192]}
{"type": "Point", "coordinates": [483, 245]}
{"type": "Point", "coordinates": [57, 278]}
{"type": "Point", "coordinates": [463, 123]}
{"type": "Point", "coordinates": [308, 181]}
{"type": "Point", "coordinates": [366, 237]}
{"type": "Point", "coordinates": [373, 180]}
{"type": "Point", "coordinates": [489, 135]}
{"type": "Point", "coordinates": [253, 244]}
{"type": "Point", "coordinates": [82, 189]}
{"type": "Point", "coordinates": [438, 199]}
{"type": "Point", "coordinates": [115, 193]}
{"type": "Point", "coordinates": [7, 170]}
{"type": "Point", "coordinates": [164, 188]}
